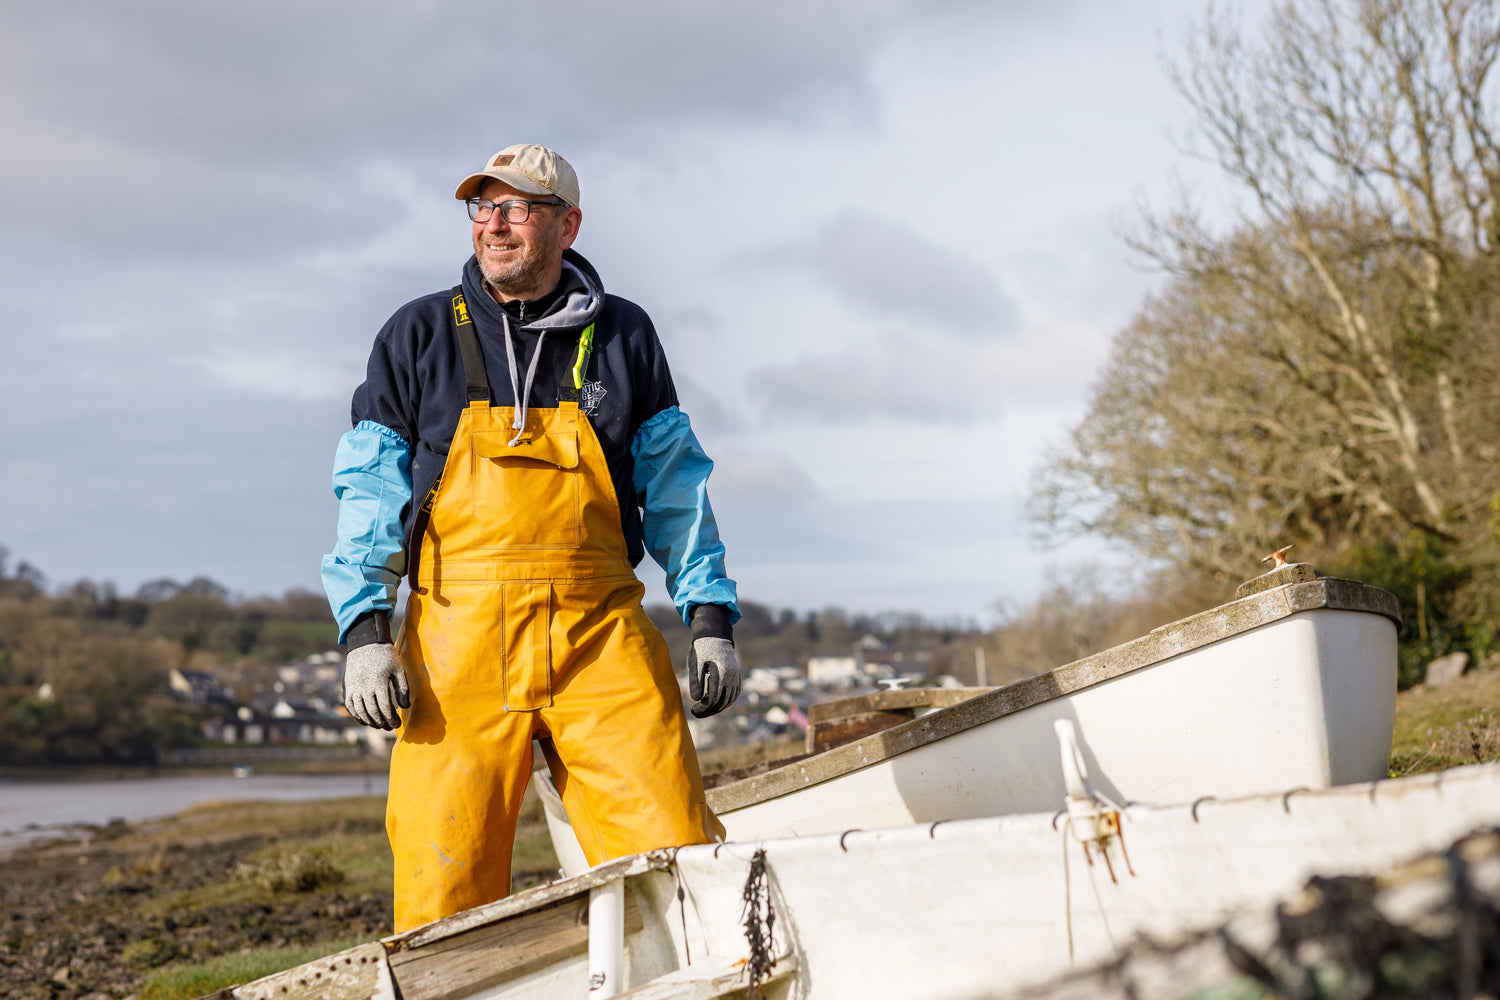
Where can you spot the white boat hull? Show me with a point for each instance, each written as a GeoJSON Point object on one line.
{"type": "Point", "coordinates": [960, 909]}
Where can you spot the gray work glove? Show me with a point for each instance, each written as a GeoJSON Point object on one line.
{"type": "Point", "coordinates": [374, 684]}
{"type": "Point", "coordinates": [713, 669]}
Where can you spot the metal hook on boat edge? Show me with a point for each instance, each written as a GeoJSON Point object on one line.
{"type": "Point", "coordinates": [1199, 802]}
{"type": "Point", "coordinates": [1286, 799]}
{"type": "Point", "coordinates": [841, 839]}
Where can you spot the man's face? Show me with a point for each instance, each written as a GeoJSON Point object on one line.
{"type": "Point", "coordinates": [523, 260]}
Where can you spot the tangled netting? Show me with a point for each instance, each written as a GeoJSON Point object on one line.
{"type": "Point", "coordinates": [1356, 941]}
{"type": "Point", "coordinates": [760, 924]}
{"type": "Point", "coordinates": [1429, 930]}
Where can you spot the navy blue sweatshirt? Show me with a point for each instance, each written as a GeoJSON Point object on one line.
{"type": "Point", "coordinates": [414, 383]}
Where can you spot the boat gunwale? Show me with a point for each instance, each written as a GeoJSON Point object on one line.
{"type": "Point", "coordinates": [532, 899]}
{"type": "Point", "coordinates": [1162, 643]}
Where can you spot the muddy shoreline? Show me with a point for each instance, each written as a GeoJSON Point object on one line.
{"type": "Point", "coordinates": [98, 918]}
{"type": "Point", "coordinates": [86, 920]}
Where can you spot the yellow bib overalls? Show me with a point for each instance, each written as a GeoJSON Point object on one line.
{"type": "Point", "coordinates": [526, 622]}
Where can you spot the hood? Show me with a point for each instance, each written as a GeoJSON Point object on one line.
{"type": "Point", "coordinates": [580, 298]}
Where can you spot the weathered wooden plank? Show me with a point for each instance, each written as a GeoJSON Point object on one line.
{"type": "Point", "coordinates": [883, 701]}
{"type": "Point", "coordinates": [830, 733]}
{"type": "Point", "coordinates": [350, 975]}
{"type": "Point", "coordinates": [500, 951]}
{"type": "Point", "coordinates": [717, 779]}
{"type": "Point", "coordinates": [694, 984]}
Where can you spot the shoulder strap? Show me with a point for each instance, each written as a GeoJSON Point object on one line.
{"type": "Point", "coordinates": [475, 380]}
{"type": "Point", "coordinates": [477, 385]}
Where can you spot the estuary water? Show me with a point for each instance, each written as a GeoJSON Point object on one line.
{"type": "Point", "coordinates": [31, 810]}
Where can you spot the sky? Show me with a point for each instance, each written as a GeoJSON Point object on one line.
{"type": "Point", "coordinates": [879, 240]}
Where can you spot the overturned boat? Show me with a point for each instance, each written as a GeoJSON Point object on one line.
{"type": "Point", "coordinates": [1290, 685]}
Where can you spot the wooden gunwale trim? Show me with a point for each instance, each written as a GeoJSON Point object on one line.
{"type": "Point", "coordinates": [1165, 642]}
{"type": "Point", "coordinates": [882, 701]}
{"type": "Point", "coordinates": [531, 899]}
{"type": "Point", "coordinates": [353, 973]}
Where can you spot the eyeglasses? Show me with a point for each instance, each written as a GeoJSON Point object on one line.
{"type": "Point", "coordinates": [513, 210]}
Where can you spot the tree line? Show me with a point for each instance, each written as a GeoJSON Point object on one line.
{"type": "Point", "coordinates": [1321, 368]}
{"type": "Point", "coordinates": [84, 668]}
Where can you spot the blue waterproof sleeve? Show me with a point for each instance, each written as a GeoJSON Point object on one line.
{"type": "Point", "coordinates": [372, 479]}
{"type": "Point", "coordinates": [671, 482]}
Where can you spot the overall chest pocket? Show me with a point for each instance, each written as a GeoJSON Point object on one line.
{"type": "Point", "coordinates": [527, 496]}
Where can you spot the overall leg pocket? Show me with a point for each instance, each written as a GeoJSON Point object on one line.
{"type": "Point", "coordinates": [526, 630]}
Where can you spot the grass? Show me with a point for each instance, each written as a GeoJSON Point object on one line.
{"type": "Point", "coordinates": [353, 862]}
{"type": "Point", "coordinates": [217, 822]}
{"type": "Point", "coordinates": [1449, 726]}
{"type": "Point", "coordinates": [195, 979]}
{"type": "Point", "coordinates": [356, 848]}
{"type": "Point", "coordinates": [353, 857]}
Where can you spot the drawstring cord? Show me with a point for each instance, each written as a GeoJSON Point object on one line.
{"type": "Point", "coordinates": [519, 424]}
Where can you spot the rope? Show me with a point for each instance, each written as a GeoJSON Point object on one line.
{"type": "Point", "coordinates": [759, 922]}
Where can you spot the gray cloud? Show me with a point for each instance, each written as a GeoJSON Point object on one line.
{"type": "Point", "coordinates": [213, 207]}
{"type": "Point", "coordinates": [128, 463]}
{"type": "Point", "coordinates": [762, 478]}
{"type": "Point", "coordinates": [912, 289]}
{"type": "Point", "coordinates": [879, 555]}
{"type": "Point", "coordinates": [886, 270]}
{"type": "Point", "coordinates": [918, 381]}
{"type": "Point", "coordinates": [706, 407]}
{"type": "Point", "coordinates": [197, 121]}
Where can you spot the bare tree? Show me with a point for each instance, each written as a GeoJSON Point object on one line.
{"type": "Point", "coordinates": [1324, 371]}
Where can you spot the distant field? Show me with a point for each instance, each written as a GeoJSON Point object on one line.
{"type": "Point", "coordinates": [318, 631]}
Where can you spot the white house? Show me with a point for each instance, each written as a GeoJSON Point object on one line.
{"type": "Point", "coordinates": [828, 670]}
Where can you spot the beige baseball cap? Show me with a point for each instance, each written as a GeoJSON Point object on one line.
{"type": "Point", "coordinates": [527, 167]}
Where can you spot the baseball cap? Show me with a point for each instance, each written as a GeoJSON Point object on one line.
{"type": "Point", "coordinates": [526, 167]}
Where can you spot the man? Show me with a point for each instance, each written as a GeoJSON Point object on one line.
{"type": "Point", "coordinates": [517, 446]}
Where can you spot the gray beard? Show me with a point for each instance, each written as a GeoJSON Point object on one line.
{"type": "Point", "coordinates": [523, 279]}
{"type": "Point", "coordinates": [516, 281]}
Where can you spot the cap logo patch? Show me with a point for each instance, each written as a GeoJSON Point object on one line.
{"type": "Point", "coordinates": [502, 161]}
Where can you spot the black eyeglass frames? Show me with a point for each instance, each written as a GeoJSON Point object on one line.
{"type": "Point", "coordinates": [513, 210]}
